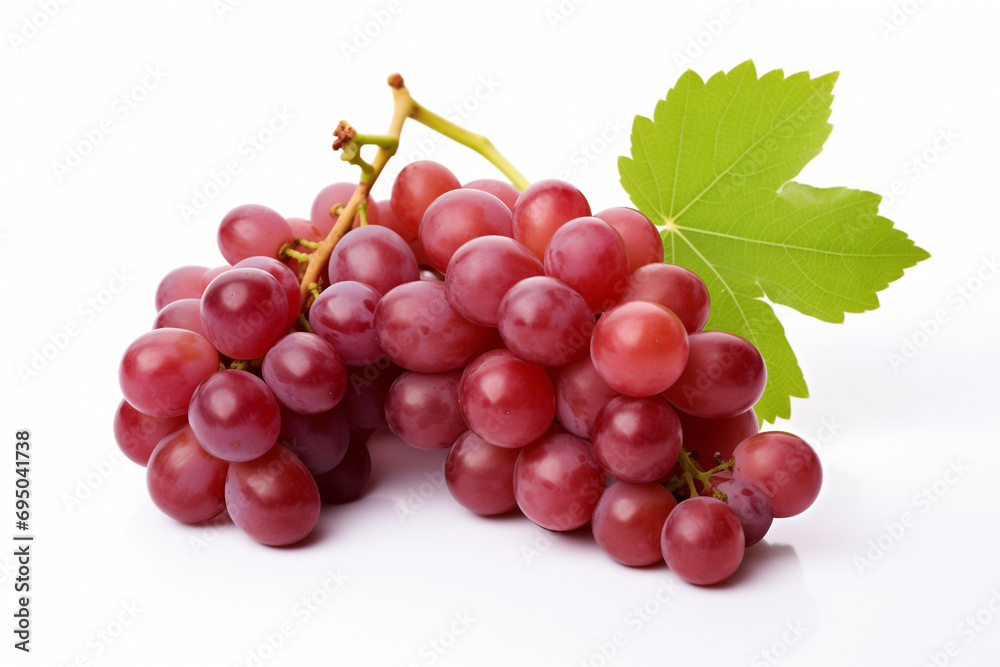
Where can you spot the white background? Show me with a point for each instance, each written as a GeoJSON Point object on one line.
{"type": "Point", "coordinates": [544, 81]}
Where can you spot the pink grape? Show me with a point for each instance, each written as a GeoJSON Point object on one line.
{"type": "Point", "coordinates": [373, 255]}
{"type": "Point", "coordinates": [480, 475]}
{"type": "Point", "coordinates": [558, 482]}
{"type": "Point", "coordinates": [387, 218]}
{"type": "Point", "coordinates": [707, 439]}
{"type": "Point", "coordinates": [628, 521]}
{"type": "Point", "coordinates": [673, 287]}
{"type": "Point", "coordinates": [320, 441]}
{"type": "Point", "coordinates": [344, 316]}
{"type": "Point", "coordinates": [750, 505]}
{"type": "Point", "coordinates": [137, 434]}
{"type": "Point", "coordinates": [180, 314]}
{"type": "Point", "coordinates": [480, 273]}
{"type": "Point", "coordinates": [542, 208]}
{"type": "Point", "coordinates": [580, 395]}
{"type": "Point", "coordinates": [250, 230]}
{"type": "Point", "coordinates": [243, 312]}
{"type": "Point", "coordinates": [347, 480]}
{"type": "Point", "coordinates": [639, 348]}
{"type": "Point", "coordinates": [416, 186]}
{"type": "Point", "coordinates": [784, 467]}
{"type": "Point", "coordinates": [702, 541]}
{"type": "Point", "coordinates": [161, 369]}
{"type": "Point", "coordinates": [337, 193]}
{"type": "Point", "coordinates": [305, 230]}
{"type": "Point", "coordinates": [213, 273]}
{"type": "Point", "coordinates": [642, 240]}
{"type": "Point", "coordinates": [423, 410]}
{"type": "Point", "coordinates": [502, 190]}
{"type": "Point", "coordinates": [589, 255]}
{"type": "Point", "coordinates": [305, 373]}
{"type": "Point", "coordinates": [419, 330]}
{"type": "Point", "coordinates": [234, 415]}
{"type": "Point", "coordinates": [724, 376]}
{"type": "Point", "coordinates": [545, 322]}
{"type": "Point", "coordinates": [184, 282]}
{"type": "Point", "coordinates": [286, 278]}
{"type": "Point", "coordinates": [637, 439]}
{"type": "Point", "coordinates": [367, 387]}
{"type": "Point", "coordinates": [273, 498]}
{"type": "Point", "coordinates": [506, 401]}
{"type": "Point", "coordinates": [459, 216]}
{"type": "Point", "coordinates": [184, 481]}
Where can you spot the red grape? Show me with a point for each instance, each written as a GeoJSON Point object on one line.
{"type": "Point", "coordinates": [639, 348]}
{"type": "Point", "coordinates": [180, 314]}
{"type": "Point", "coordinates": [459, 216]}
{"type": "Point", "coordinates": [234, 415]}
{"type": "Point", "coordinates": [421, 331]}
{"type": "Point", "coordinates": [505, 400]}
{"type": "Point", "coordinates": [480, 475]}
{"type": "Point", "coordinates": [137, 434]}
{"type": "Point", "coordinates": [628, 521]}
{"type": "Point", "coordinates": [184, 481]}
{"type": "Point", "coordinates": [589, 255]}
{"type": "Point", "coordinates": [673, 287]}
{"type": "Point", "coordinates": [545, 322]}
{"type": "Point", "coordinates": [161, 369]}
{"type": "Point", "coordinates": [702, 540]}
{"type": "Point", "coordinates": [784, 467]}
{"type": "Point", "coordinates": [250, 230]}
{"type": "Point", "coordinates": [243, 312]}
{"type": "Point", "coordinates": [480, 273]}
{"type": "Point", "coordinates": [373, 255]}
{"type": "Point", "coordinates": [580, 395]}
{"type": "Point", "coordinates": [347, 480]}
{"type": "Point", "coordinates": [642, 240]}
{"type": "Point", "coordinates": [273, 499]}
{"type": "Point", "coordinates": [184, 282]}
{"type": "Point", "coordinates": [423, 410]}
{"type": "Point", "coordinates": [344, 316]}
{"type": "Point", "coordinates": [502, 190]}
{"type": "Point", "coordinates": [557, 481]}
{"type": "Point", "coordinates": [724, 376]}
{"type": "Point", "coordinates": [637, 439]}
{"type": "Point", "coordinates": [542, 208]}
{"type": "Point", "coordinates": [416, 186]}
{"type": "Point", "coordinates": [305, 373]}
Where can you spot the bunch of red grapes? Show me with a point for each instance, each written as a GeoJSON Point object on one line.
{"type": "Point", "coordinates": [551, 349]}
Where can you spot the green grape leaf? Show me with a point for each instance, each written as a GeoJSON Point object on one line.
{"type": "Point", "coordinates": [713, 171]}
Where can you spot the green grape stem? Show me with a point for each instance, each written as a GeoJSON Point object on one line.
{"type": "Point", "coordinates": [348, 140]}
{"type": "Point", "coordinates": [692, 472]}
